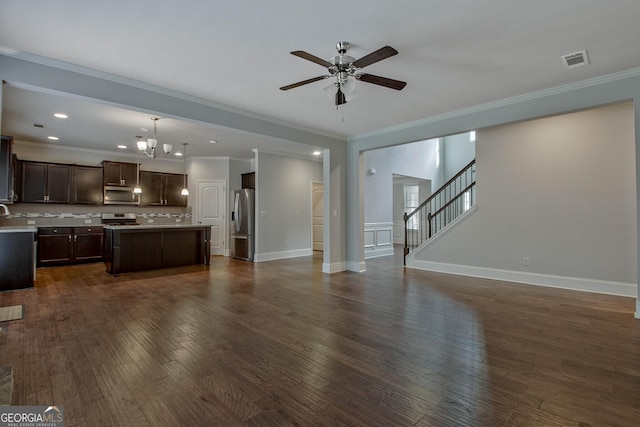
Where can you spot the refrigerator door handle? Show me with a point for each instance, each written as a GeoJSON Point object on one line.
{"type": "Point", "coordinates": [237, 207]}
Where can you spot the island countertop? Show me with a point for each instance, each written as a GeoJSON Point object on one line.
{"type": "Point", "coordinates": [131, 248]}
{"type": "Point", "coordinates": [151, 226]}
{"type": "Point", "coordinates": [19, 229]}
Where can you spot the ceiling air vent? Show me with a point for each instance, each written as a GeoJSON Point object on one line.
{"type": "Point", "coordinates": [577, 59]}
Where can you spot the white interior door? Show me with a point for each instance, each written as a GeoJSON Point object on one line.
{"type": "Point", "coordinates": [317, 199]}
{"type": "Point", "coordinates": [211, 209]}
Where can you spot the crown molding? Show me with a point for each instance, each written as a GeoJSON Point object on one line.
{"type": "Point", "coordinates": [634, 72]}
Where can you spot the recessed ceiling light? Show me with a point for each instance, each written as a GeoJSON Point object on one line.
{"type": "Point", "coordinates": [213, 141]}
{"type": "Point", "coordinates": [53, 138]}
{"type": "Point", "coordinates": [122, 147]}
{"type": "Point", "coordinates": [179, 154]}
{"type": "Point", "coordinates": [317, 153]}
{"type": "Point", "coordinates": [144, 129]}
{"type": "Point", "coordinates": [61, 115]}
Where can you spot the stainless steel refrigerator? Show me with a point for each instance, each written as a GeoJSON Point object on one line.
{"type": "Point", "coordinates": [243, 224]}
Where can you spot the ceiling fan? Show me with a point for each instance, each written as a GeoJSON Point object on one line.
{"type": "Point", "coordinates": [344, 66]}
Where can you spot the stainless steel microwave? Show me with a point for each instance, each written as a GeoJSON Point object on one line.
{"type": "Point", "coordinates": [120, 196]}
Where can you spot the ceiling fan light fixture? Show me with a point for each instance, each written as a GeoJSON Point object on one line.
{"type": "Point", "coordinates": [347, 69]}
{"type": "Point", "coordinates": [330, 90]}
{"type": "Point", "coordinates": [340, 98]}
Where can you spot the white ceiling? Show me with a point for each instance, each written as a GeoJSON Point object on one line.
{"type": "Point", "coordinates": [452, 55]}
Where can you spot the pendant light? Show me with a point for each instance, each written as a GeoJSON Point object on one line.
{"type": "Point", "coordinates": [137, 189]}
{"type": "Point", "coordinates": [185, 190]}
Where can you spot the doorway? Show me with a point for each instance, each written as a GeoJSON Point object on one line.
{"type": "Point", "coordinates": [211, 207]}
{"type": "Point", "coordinates": [317, 216]}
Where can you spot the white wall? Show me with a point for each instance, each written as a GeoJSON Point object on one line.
{"type": "Point", "coordinates": [458, 152]}
{"type": "Point", "coordinates": [416, 160]}
{"type": "Point", "coordinates": [283, 205]}
{"type": "Point", "coordinates": [559, 190]}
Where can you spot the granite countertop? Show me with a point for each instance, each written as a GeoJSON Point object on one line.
{"type": "Point", "coordinates": [19, 229]}
{"type": "Point", "coordinates": [152, 226]}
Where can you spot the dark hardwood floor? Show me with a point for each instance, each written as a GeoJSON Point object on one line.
{"type": "Point", "coordinates": [281, 344]}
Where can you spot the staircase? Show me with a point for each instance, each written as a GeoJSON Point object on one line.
{"type": "Point", "coordinates": [445, 205]}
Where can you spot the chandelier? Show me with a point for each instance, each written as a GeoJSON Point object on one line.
{"type": "Point", "coordinates": [148, 147]}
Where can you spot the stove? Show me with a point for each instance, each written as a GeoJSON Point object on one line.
{"type": "Point", "coordinates": [119, 218]}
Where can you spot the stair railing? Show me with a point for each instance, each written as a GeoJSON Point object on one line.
{"type": "Point", "coordinates": [450, 201]}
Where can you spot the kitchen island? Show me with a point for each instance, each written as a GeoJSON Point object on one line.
{"type": "Point", "coordinates": [17, 257]}
{"type": "Point", "coordinates": [130, 248]}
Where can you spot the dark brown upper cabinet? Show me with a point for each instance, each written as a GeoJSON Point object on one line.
{"type": "Point", "coordinates": [120, 174]}
{"type": "Point", "coordinates": [249, 180]}
{"type": "Point", "coordinates": [87, 185]}
{"type": "Point", "coordinates": [161, 189]}
{"type": "Point", "coordinates": [46, 182]}
{"type": "Point", "coordinates": [6, 170]}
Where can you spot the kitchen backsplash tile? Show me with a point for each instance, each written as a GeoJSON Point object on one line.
{"type": "Point", "coordinates": [75, 215]}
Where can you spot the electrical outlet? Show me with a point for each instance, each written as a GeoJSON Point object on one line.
{"type": "Point", "coordinates": [87, 221]}
{"type": "Point", "coordinates": [178, 220]}
{"type": "Point", "coordinates": [31, 222]}
{"type": "Point", "coordinates": [526, 261]}
{"type": "Point", "coordinates": [150, 221]}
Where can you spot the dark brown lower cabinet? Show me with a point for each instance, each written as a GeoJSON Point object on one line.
{"type": "Point", "coordinates": [16, 260]}
{"type": "Point", "coordinates": [87, 244]}
{"type": "Point", "coordinates": [149, 248]}
{"type": "Point", "coordinates": [69, 245]}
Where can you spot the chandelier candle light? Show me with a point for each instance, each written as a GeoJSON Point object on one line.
{"type": "Point", "coordinates": [148, 147]}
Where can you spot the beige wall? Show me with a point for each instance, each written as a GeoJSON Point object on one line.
{"type": "Point", "coordinates": [560, 191]}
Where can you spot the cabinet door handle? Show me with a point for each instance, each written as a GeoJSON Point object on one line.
{"type": "Point", "coordinates": [75, 238]}
{"type": "Point", "coordinates": [69, 237]}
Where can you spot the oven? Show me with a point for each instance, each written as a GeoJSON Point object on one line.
{"type": "Point", "coordinates": [119, 218]}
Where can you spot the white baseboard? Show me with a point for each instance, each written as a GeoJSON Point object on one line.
{"type": "Point", "coordinates": [379, 251]}
{"type": "Point", "coordinates": [271, 256]}
{"type": "Point", "coordinates": [358, 267]}
{"type": "Point", "coordinates": [334, 267]}
{"type": "Point", "coordinates": [563, 282]}
{"type": "Point", "coordinates": [637, 308]}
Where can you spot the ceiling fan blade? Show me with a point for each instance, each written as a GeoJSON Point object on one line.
{"type": "Point", "coordinates": [382, 81]}
{"type": "Point", "coordinates": [304, 55]}
{"type": "Point", "coordinates": [373, 57]}
{"type": "Point", "coordinates": [304, 82]}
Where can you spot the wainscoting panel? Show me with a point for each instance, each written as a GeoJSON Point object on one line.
{"type": "Point", "coordinates": [378, 239]}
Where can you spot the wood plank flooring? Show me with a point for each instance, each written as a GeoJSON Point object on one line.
{"type": "Point", "coordinates": [281, 344]}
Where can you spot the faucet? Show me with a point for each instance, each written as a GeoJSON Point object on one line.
{"type": "Point", "coordinates": [6, 210]}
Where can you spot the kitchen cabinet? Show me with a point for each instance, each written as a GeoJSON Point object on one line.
{"type": "Point", "coordinates": [249, 180]}
{"type": "Point", "coordinates": [161, 247]}
{"type": "Point", "coordinates": [87, 185]}
{"type": "Point", "coordinates": [55, 245]}
{"type": "Point", "coordinates": [46, 182]}
{"type": "Point", "coordinates": [69, 245]}
{"type": "Point", "coordinates": [120, 174]}
{"type": "Point", "coordinates": [6, 170]}
{"type": "Point", "coordinates": [17, 270]}
{"type": "Point", "coordinates": [161, 189]}
{"type": "Point", "coordinates": [87, 244]}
